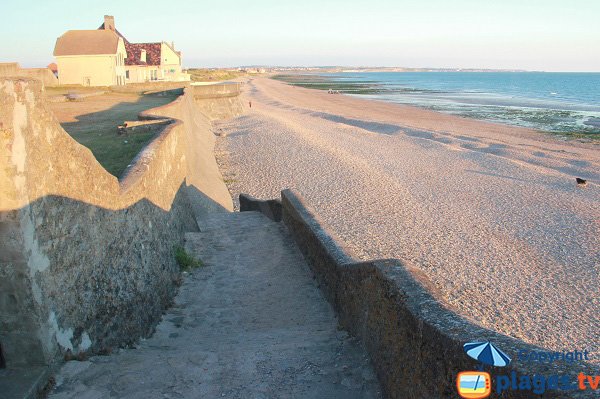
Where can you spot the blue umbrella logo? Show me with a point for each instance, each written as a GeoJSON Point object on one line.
{"type": "Point", "coordinates": [486, 353]}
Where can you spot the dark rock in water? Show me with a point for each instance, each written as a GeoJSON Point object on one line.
{"type": "Point", "coordinates": [581, 182]}
{"type": "Point", "coordinates": [595, 122]}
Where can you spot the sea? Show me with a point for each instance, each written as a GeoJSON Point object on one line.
{"type": "Point", "coordinates": [567, 104]}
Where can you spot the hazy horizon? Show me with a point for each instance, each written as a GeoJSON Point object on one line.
{"type": "Point", "coordinates": [537, 36]}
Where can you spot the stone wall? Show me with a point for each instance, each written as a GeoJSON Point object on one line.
{"type": "Point", "coordinates": [414, 340]}
{"type": "Point", "coordinates": [9, 68]}
{"type": "Point", "coordinates": [86, 261]}
{"type": "Point", "coordinates": [45, 75]}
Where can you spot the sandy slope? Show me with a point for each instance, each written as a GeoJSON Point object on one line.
{"type": "Point", "coordinates": [491, 213]}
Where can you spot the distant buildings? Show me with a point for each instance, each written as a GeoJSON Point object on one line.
{"type": "Point", "coordinates": [104, 57]}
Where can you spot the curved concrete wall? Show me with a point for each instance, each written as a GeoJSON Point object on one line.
{"type": "Point", "coordinates": [415, 341]}
{"type": "Point", "coordinates": [218, 100]}
{"type": "Point", "coordinates": [86, 261]}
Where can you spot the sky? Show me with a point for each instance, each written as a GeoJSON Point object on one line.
{"type": "Point", "coordinates": [540, 35]}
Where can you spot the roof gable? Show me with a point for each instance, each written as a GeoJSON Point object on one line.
{"type": "Point", "coordinates": [87, 42]}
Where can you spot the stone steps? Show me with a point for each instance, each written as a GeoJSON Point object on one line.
{"type": "Point", "coordinates": [250, 323]}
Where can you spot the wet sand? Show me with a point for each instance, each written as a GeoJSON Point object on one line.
{"type": "Point", "coordinates": [491, 213]}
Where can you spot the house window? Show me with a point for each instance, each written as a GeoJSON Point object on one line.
{"type": "Point", "coordinates": [127, 74]}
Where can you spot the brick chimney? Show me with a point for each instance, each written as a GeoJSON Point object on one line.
{"type": "Point", "coordinates": [109, 22]}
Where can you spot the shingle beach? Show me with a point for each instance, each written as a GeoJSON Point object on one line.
{"type": "Point", "coordinates": [491, 213]}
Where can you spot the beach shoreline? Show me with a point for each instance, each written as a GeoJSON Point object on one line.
{"type": "Point", "coordinates": [490, 213]}
{"type": "Point", "coordinates": [514, 99]}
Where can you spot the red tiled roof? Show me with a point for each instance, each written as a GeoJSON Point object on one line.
{"type": "Point", "coordinates": [134, 52]}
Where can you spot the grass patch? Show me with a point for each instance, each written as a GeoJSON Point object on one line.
{"type": "Point", "coordinates": [93, 123]}
{"type": "Point", "coordinates": [591, 136]}
{"type": "Point", "coordinates": [185, 261]}
{"type": "Point", "coordinates": [216, 75]}
{"type": "Point", "coordinates": [324, 83]}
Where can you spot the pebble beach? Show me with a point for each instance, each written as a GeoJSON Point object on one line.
{"type": "Point", "coordinates": [491, 213]}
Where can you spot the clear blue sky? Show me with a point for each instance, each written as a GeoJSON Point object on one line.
{"type": "Point", "coordinates": [549, 35]}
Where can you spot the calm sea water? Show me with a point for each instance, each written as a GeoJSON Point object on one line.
{"type": "Point", "coordinates": [567, 103]}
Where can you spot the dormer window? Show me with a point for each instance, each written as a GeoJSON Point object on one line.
{"type": "Point", "coordinates": [143, 56]}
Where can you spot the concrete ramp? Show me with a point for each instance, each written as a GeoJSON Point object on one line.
{"type": "Point", "coordinates": [251, 323]}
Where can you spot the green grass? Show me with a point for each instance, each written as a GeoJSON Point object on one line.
{"type": "Point", "coordinates": [591, 136]}
{"type": "Point", "coordinates": [185, 261]}
{"type": "Point", "coordinates": [322, 83]}
{"type": "Point", "coordinates": [98, 130]}
{"type": "Point", "coordinates": [216, 75]}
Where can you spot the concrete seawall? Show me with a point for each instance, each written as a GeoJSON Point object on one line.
{"type": "Point", "coordinates": [218, 100]}
{"type": "Point", "coordinates": [86, 261]}
{"type": "Point", "coordinates": [45, 75]}
{"type": "Point", "coordinates": [414, 341]}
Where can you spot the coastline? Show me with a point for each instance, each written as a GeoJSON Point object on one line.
{"type": "Point", "coordinates": [489, 212]}
{"type": "Point", "coordinates": [564, 116]}
{"type": "Point", "coordinates": [425, 119]}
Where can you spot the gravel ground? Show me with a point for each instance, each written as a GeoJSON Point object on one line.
{"type": "Point", "coordinates": [490, 212]}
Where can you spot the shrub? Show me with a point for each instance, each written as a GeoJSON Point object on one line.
{"type": "Point", "coordinates": [185, 261]}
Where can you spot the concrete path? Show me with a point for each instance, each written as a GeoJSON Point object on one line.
{"type": "Point", "coordinates": [250, 324]}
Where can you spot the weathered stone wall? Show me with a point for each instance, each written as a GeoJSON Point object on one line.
{"type": "Point", "coordinates": [86, 261]}
{"type": "Point", "coordinates": [45, 75]}
{"type": "Point", "coordinates": [414, 340]}
{"type": "Point", "coordinates": [9, 68]}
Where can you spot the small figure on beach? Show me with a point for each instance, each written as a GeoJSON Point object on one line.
{"type": "Point", "coordinates": [250, 104]}
{"type": "Point", "coordinates": [581, 182]}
